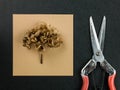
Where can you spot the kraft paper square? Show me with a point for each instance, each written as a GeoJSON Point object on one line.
{"type": "Point", "coordinates": [56, 62]}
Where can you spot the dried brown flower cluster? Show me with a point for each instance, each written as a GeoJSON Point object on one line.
{"type": "Point", "coordinates": [41, 37]}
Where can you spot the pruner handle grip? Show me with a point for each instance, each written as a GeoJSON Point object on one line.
{"type": "Point", "coordinates": [85, 82]}
{"type": "Point", "coordinates": [111, 84]}
{"type": "Point", "coordinates": [88, 68]}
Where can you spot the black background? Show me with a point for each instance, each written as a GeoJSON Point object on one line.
{"type": "Point", "coordinates": [81, 9]}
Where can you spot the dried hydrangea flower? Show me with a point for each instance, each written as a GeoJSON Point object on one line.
{"type": "Point", "coordinates": [41, 37]}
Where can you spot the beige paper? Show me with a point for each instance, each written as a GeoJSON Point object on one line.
{"type": "Point", "coordinates": [56, 62]}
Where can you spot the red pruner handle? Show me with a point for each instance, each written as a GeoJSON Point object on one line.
{"type": "Point", "coordinates": [85, 82]}
{"type": "Point", "coordinates": [111, 84]}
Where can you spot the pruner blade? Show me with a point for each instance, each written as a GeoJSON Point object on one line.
{"type": "Point", "coordinates": [98, 55]}
{"type": "Point", "coordinates": [102, 33]}
{"type": "Point", "coordinates": [94, 39]}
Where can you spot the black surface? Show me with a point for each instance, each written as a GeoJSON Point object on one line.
{"type": "Point", "coordinates": [81, 9]}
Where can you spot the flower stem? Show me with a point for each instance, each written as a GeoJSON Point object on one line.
{"type": "Point", "coordinates": [41, 58]}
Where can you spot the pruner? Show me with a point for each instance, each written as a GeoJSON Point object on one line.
{"type": "Point", "coordinates": [98, 57]}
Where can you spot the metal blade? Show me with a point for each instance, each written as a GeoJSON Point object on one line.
{"type": "Point", "coordinates": [94, 39]}
{"type": "Point", "coordinates": [102, 33]}
{"type": "Point", "coordinates": [98, 56]}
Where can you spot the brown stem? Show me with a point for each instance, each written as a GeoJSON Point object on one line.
{"type": "Point", "coordinates": [41, 58]}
